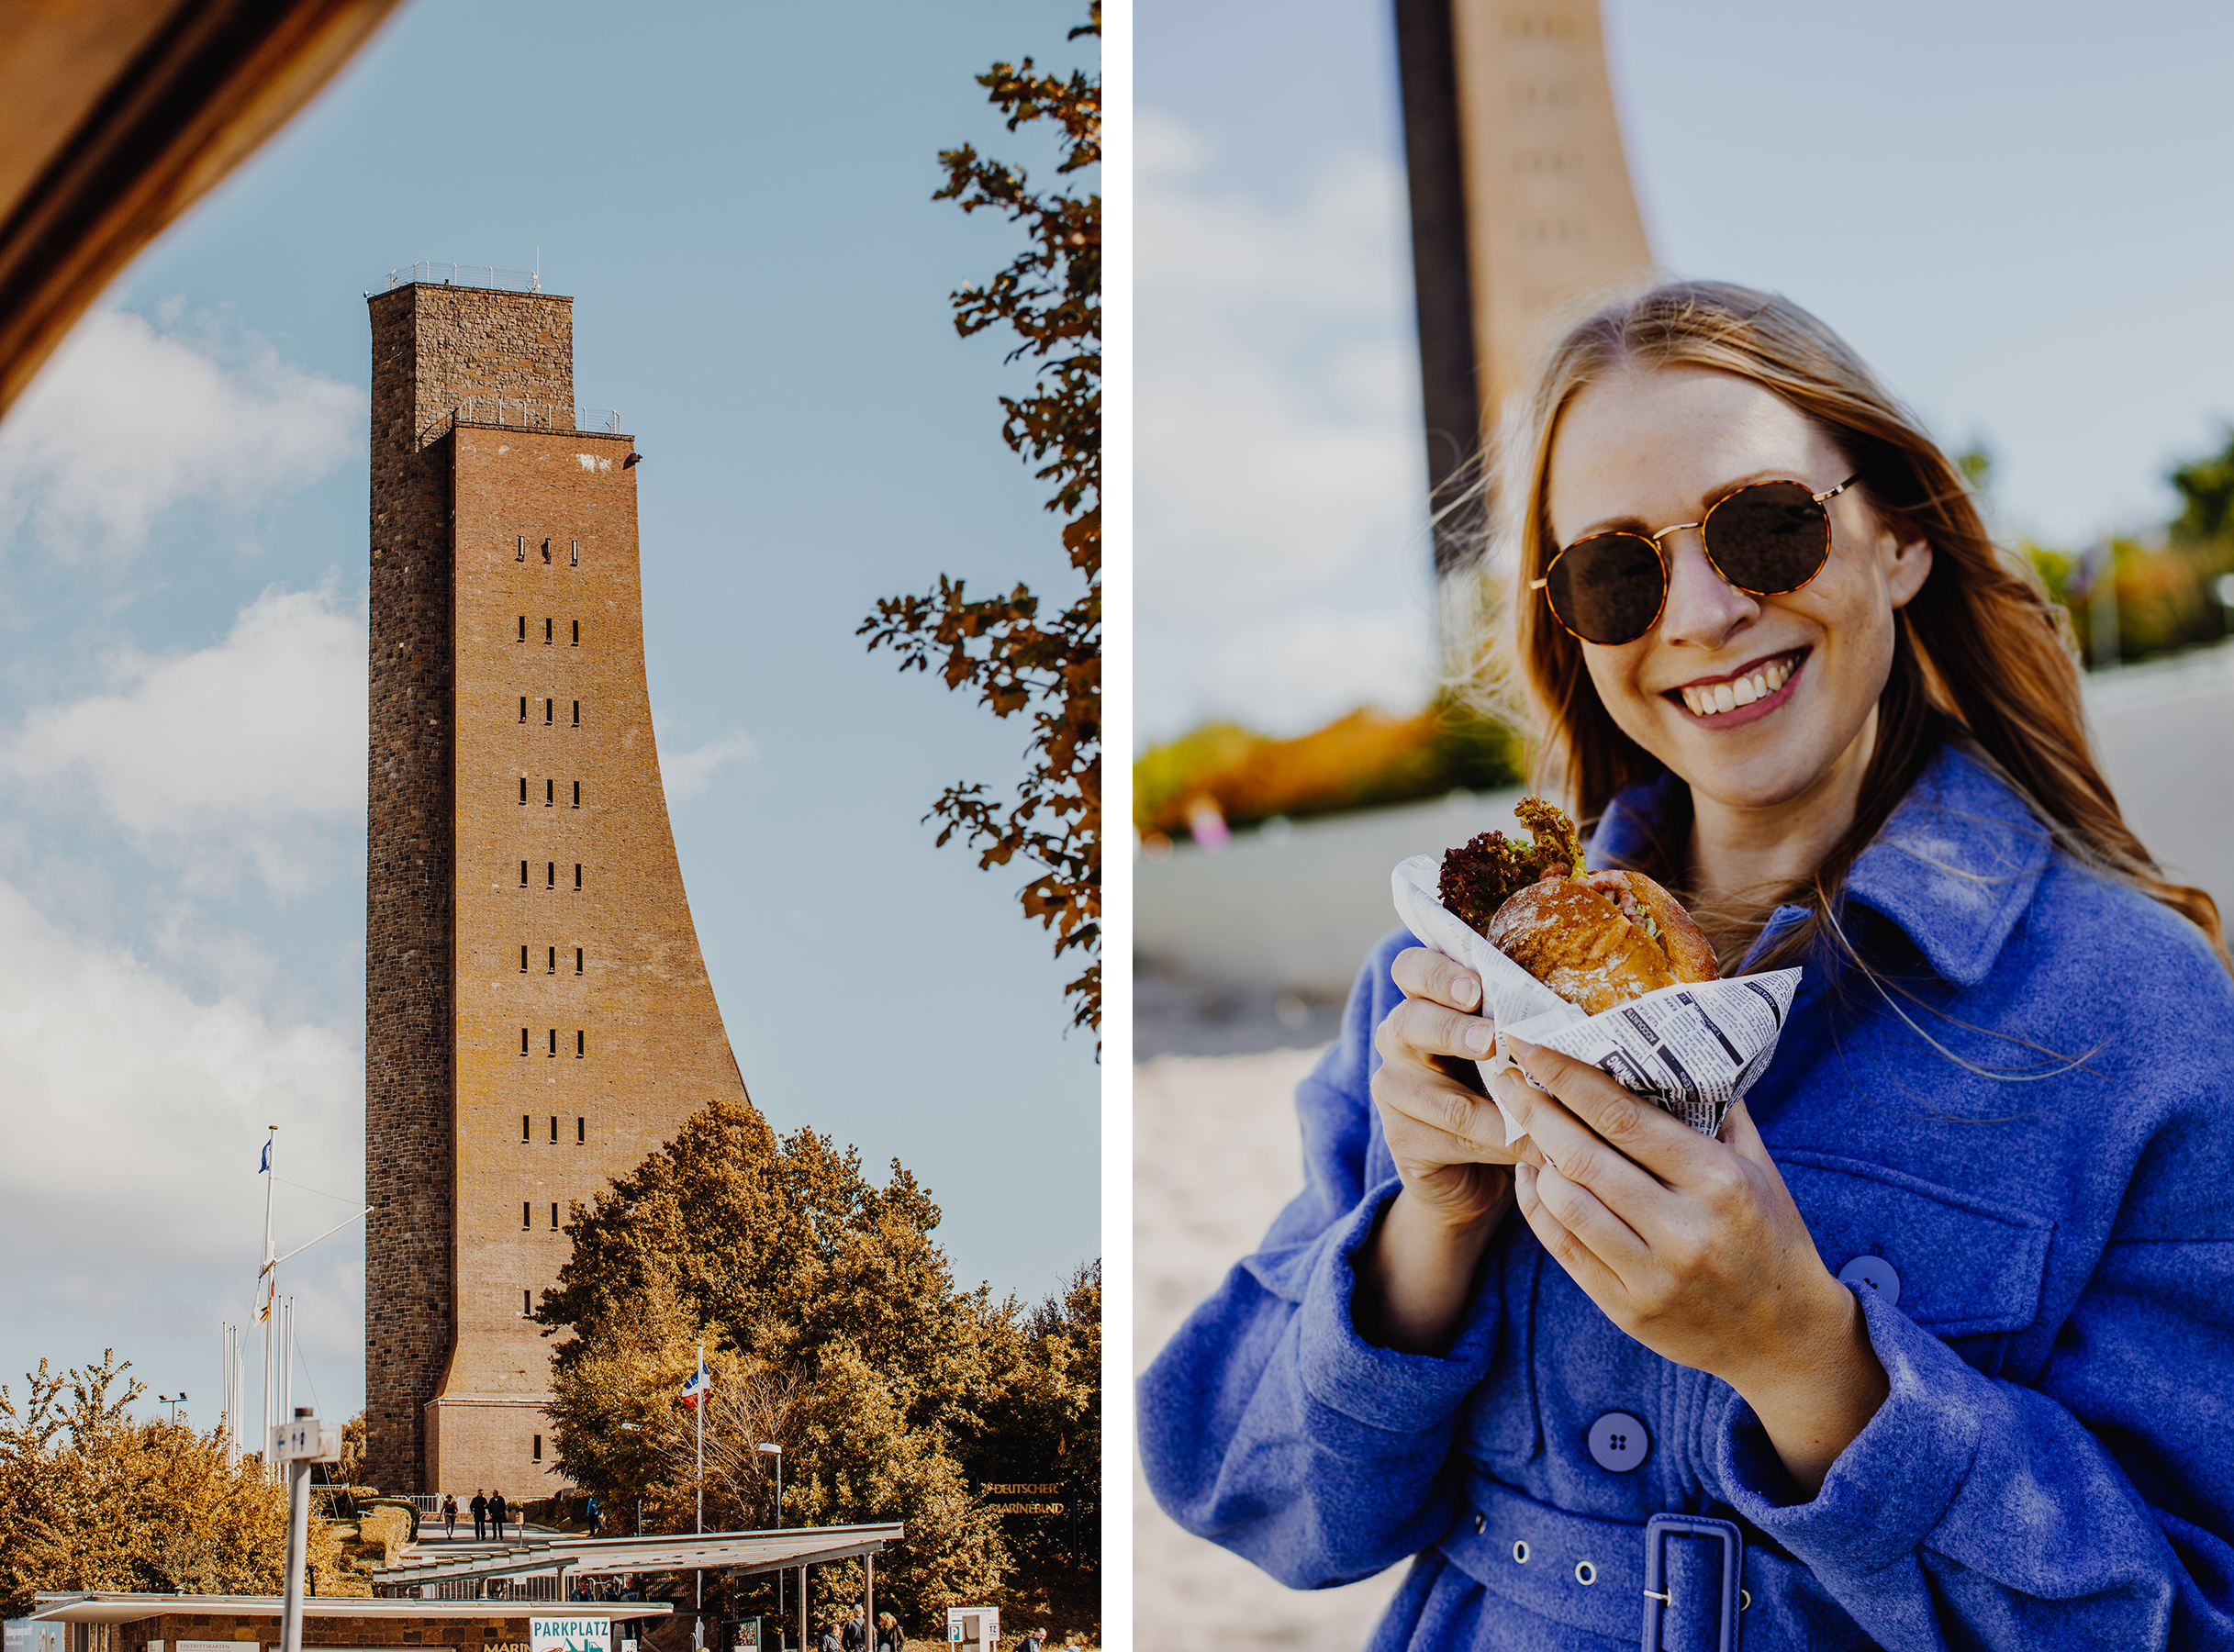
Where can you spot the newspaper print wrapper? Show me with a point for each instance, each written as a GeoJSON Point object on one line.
{"type": "Point", "coordinates": [1691, 1049]}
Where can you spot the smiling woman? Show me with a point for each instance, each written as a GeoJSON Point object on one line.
{"type": "Point", "coordinates": [1921, 1348]}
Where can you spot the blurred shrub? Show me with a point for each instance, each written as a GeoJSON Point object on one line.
{"type": "Point", "coordinates": [1366, 760]}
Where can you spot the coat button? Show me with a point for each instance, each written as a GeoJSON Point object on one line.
{"type": "Point", "coordinates": [1872, 1273]}
{"type": "Point", "coordinates": [1619, 1442]}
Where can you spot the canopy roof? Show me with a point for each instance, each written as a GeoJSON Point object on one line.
{"type": "Point", "coordinates": [741, 1552]}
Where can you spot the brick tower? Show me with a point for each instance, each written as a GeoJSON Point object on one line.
{"type": "Point", "coordinates": [538, 1018]}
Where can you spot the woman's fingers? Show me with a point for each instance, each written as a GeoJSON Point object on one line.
{"type": "Point", "coordinates": [1426, 1126]}
{"type": "Point", "coordinates": [1426, 1028]}
{"type": "Point", "coordinates": [1637, 1129]}
{"type": "Point", "coordinates": [1579, 1154]}
{"type": "Point", "coordinates": [1565, 1245]}
{"type": "Point", "coordinates": [1420, 973]}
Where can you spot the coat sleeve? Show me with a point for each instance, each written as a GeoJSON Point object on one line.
{"type": "Point", "coordinates": [1268, 1426]}
{"type": "Point", "coordinates": [2092, 1508]}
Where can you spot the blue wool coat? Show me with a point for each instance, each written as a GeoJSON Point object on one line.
{"type": "Point", "coordinates": [2021, 1127]}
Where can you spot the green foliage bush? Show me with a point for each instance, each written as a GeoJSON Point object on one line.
{"type": "Point", "coordinates": [1366, 760]}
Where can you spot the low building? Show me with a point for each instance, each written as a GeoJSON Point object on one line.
{"type": "Point", "coordinates": [100, 1621]}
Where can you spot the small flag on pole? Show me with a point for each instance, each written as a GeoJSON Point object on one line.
{"type": "Point", "coordinates": [264, 1163]}
{"type": "Point", "coordinates": [701, 1383]}
{"type": "Point", "coordinates": [271, 1290]}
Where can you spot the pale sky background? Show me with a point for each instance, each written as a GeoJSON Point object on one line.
{"type": "Point", "coordinates": [2017, 213]}
{"type": "Point", "coordinates": [738, 198]}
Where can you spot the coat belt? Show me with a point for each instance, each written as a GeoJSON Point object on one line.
{"type": "Point", "coordinates": [1589, 1574]}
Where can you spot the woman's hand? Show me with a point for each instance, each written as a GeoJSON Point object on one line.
{"type": "Point", "coordinates": [1692, 1246]}
{"type": "Point", "coordinates": [1448, 1142]}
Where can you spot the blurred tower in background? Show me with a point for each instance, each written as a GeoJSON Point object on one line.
{"type": "Point", "coordinates": [537, 1015]}
{"type": "Point", "coordinates": [1521, 205]}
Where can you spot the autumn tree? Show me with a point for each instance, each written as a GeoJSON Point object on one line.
{"type": "Point", "coordinates": [1016, 654]}
{"type": "Point", "coordinates": [1044, 1428]}
{"type": "Point", "coordinates": [831, 1326]}
{"type": "Point", "coordinates": [91, 1497]}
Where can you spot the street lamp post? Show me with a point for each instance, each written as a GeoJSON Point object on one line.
{"type": "Point", "coordinates": [173, 1402]}
{"type": "Point", "coordinates": [769, 1448]}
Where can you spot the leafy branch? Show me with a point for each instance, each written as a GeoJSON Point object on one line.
{"type": "Point", "coordinates": [1050, 297]}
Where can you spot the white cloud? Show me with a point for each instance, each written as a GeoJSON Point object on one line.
{"type": "Point", "coordinates": [133, 418]}
{"type": "Point", "coordinates": [1281, 556]}
{"type": "Point", "coordinates": [687, 774]}
{"type": "Point", "coordinates": [242, 747]}
{"type": "Point", "coordinates": [130, 1211]}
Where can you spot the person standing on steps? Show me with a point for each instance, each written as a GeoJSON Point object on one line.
{"type": "Point", "coordinates": [497, 1511]}
{"type": "Point", "coordinates": [480, 1508]}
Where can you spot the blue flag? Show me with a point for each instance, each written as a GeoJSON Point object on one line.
{"type": "Point", "coordinates": [264, 1163]}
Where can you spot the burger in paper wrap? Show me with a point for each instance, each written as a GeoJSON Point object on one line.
{"type": "Point", "coordinates": [1604, 966]}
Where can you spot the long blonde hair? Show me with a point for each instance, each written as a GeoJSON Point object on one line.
{"type": "Point", "coordinates": [1979, 655]}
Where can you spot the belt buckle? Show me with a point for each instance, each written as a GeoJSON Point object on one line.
{"type": "Point", "coordinates": [1656, 1593]}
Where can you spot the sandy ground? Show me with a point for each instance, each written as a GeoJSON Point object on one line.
{"type": "Point", "coordinates": [1215, 1158]}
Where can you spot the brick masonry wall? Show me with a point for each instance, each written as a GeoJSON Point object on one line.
{"type": "Point", "coordinates": [556, 770]}
{"type": "Point", "coordinates": [432, 346]}
{"type": "Point", "coordinates": [462, 518]}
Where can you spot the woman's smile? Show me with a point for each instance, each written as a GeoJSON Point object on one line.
{"type": "Point", "coordinates": [1746, 695]}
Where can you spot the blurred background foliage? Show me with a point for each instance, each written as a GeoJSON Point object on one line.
{"type": "Point", "coordinates": [1222, 777]}
{"type": "Point", "coordinates": [2130, 597]}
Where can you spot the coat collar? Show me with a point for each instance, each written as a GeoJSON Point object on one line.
{"type": "Point", "coordinates": [1955, 866]}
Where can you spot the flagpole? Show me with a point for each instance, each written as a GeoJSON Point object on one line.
{"type": "Point", "coordinates": [269, 1287]}
{"type": "Point", "coordinates": [700, 1409]}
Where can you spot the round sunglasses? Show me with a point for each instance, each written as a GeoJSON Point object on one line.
{"type": "Point", "coordinates": [1766, 539]}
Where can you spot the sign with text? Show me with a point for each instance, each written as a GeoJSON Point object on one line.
{"type": "Point", "coordinates": [569, 1634]}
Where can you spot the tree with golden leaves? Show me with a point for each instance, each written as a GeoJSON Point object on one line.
{"type": "Point", "coordinates": [91, 1497]}
{"type": "Point", "coordinates": [832, 1326]}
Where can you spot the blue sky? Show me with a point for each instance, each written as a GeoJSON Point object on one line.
{"type": "Point", "coordinates": [2014, 212]}
{"type": "Point", "coordinates": [738, 198]}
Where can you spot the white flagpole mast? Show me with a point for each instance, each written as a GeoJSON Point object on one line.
{"type": "Point", "coordinates": [267, 1289]}
{"type": "Point", "coordinates": [699, 1634]}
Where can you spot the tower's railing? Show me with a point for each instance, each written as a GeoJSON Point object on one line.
{"type": "Point", "coordinates": [468, 275]}
{"type": "Point", "coordinates": [516, 413]}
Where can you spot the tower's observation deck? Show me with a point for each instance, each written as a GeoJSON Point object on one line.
{"type": "Point", "coordinates": [537, 1015]}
